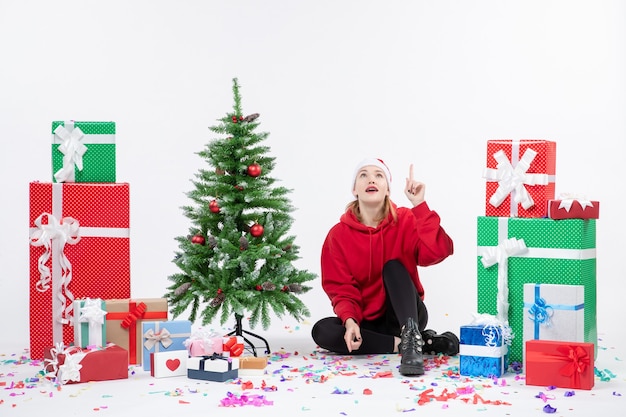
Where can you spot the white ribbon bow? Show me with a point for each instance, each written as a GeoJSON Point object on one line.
{"type": "Point", "coordinates": [493, 328]}
{"type": "Point", "coordinates": [70, 369]}
{"type": "Point", "coordinates": [500, 255]}
{"type": "Point", "coordinates": [568, 199]}
{"type": "Point", "coordinates": [73, 150]}
{"type": "Point", "coordinates": [61, 232]}
{"type": "Point", "coordinates": [512, 180]}
{"type": "Point", "coordinates": [92, 313]}
{"type": "Point", "coordinates": [152, 338]}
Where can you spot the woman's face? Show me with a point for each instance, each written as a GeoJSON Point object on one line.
{"type": "Point", "coordinates": [370, 184]}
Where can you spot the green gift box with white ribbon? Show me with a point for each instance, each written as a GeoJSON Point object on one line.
{"type": "Point", "coordinates": [83, 151]}
{"type": "Point", "coordinates": [517, 251]}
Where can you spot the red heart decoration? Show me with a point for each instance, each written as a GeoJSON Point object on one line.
{"type": "Point", "coordinates": [172, 364]}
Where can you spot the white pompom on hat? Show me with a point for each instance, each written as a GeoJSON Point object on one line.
{"type": "Point", "coordinates": [379, 163]}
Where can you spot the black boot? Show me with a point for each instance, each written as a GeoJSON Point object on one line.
{"type": "Point", "coordinates": [446, 343]}
{"type": "Point", "coordinates": [412, 361]}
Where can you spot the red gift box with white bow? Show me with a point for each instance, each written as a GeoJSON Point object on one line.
{"type": "Point", "coordinates": [520, 177]}
{"type": "Point", "coordinates": [71, 364]}
{"type": "Point", "coordinates": [79, 248]}
{"type": "Point", "coordinates": [560, 364]}
{"type": "Point", "coordinates": [573, 207]}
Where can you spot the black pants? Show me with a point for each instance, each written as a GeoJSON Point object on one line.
{"type": "Point", "coordinates": [378, 335]}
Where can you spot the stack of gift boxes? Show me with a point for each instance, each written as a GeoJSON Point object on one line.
{"type": "Point", "coordinates": [83, 322]}
{"type": "Point", "coordinates": [536, 272]}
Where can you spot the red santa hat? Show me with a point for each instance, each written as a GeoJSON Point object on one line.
{"type": "Point", "coordinates": [379, 163]}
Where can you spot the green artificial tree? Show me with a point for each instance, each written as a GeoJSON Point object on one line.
{"type": "Point", "coordinates": [238, 256]}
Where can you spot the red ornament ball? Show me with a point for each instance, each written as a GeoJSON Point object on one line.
{"type": "Point", "coordinates": [256, 230]}
{"type": "Point", "coordinates": [254, 170]}
{"type": "Point", "coordinates": [198, 239]}
{"type": "Point", "coordinates": [258, 288]}
{"type": "Point", "coordinates": [214, 207]}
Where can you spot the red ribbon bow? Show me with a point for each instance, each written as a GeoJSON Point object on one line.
{"type": "Point", "coordinates": [134, 315]}
{"type": "Point", "coordinates": [577, 361]}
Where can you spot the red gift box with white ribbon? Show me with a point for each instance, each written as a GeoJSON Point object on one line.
{"type": "Point", "coordinates": [71, 364]}
{"type": "Point", "coordinates": [79, 248]}
{"type": "Point", "coordinates": [520, 177]}
{"type": "Point", "coordinates": [571, 206]}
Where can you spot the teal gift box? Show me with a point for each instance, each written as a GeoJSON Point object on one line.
{"type": "Point", "coordinates": [163, 336]}
{"type": "Point", "coordinates": [556, 252]}
{"type": "Point", "coordinates": [89, 321]}
{"type": "Point", "coordinates": [483, 351]}
{"type": "Point", "coordinates": [83, 151]}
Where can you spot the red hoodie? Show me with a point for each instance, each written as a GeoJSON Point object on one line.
{"type": "Point", "coordinates": [353, 256]}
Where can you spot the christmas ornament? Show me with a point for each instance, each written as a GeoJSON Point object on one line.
{"type": "Point", "coordinates": [218, 300]}
{"type": "Point", "coordinates": [256, 230]}
{"type": "Point", "coordinates": [250, 117]}
{"type": "Point", "coordinates": [234, 119]}
{"type": "Point", "coordinates": [243, 243]}
{"type": "Point", "coordinates": [287, 248]}
{"type": "Point", "coordinates": [254, 170]}
{"type": "Point", "coordinates": [258, 288]}
{"type": "Point", "coordinates": [182, 288]}
{"type": "Point", "coordinates": [212, 242]}
{"type": "Point", "coordinates": [268, 286]}
{"type": "Point", "coordinates": [239, 187]}
{"type": "Point", "coordinates": [214, 207]}
{"type": "Point", "coordinates": [198, 239]}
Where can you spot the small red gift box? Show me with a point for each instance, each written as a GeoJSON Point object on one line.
{"type": "Point", "coordinates": [520, 177]}
{"type": "Point", "coordinates": [72, 364]}
{"type": "Point", "coordinates": [560, 364]}
{"type": "Point", "coordinates": [79, 248]}
{"type": "Point", "coordinates": [572, 207]}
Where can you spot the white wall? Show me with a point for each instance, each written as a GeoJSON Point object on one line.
{"type": "Point", "coordinates": [424, 82]}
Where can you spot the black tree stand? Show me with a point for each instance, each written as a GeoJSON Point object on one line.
{"type": "Point", "coordinates": [239, 331]}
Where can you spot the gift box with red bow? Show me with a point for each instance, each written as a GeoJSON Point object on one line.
{"type": "Point", "coordinates": [217, 368]}
{"type": "Point", "coordinates": [520, 177]}
{"type": "Point", "coordinates": [79, 248]}
{"type": "Point", "coordinates": [70, 365]}
{"type": "Point", "coordinates": [559, 364]}
{"type": "Point", "coordinates": [124, 319]}
{"type": "Point", "coordinates": [573, 207]}
{"type": "Point", "coordinates": [163, 336]}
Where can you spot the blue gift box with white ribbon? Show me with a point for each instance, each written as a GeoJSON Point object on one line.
{"type": "Point", "coordinates": [554, 312]}
{"type": "Point", "coordinates": [483, 351]}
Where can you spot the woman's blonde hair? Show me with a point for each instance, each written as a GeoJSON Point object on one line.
{"type": "Point", "coordinates": [353, 206]}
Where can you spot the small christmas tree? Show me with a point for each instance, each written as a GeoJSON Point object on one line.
{"type": "Point", "coordinates": [238, 255]}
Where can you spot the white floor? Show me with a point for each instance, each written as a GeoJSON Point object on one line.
{"type": "Point", "coordinates": [303, 380]}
